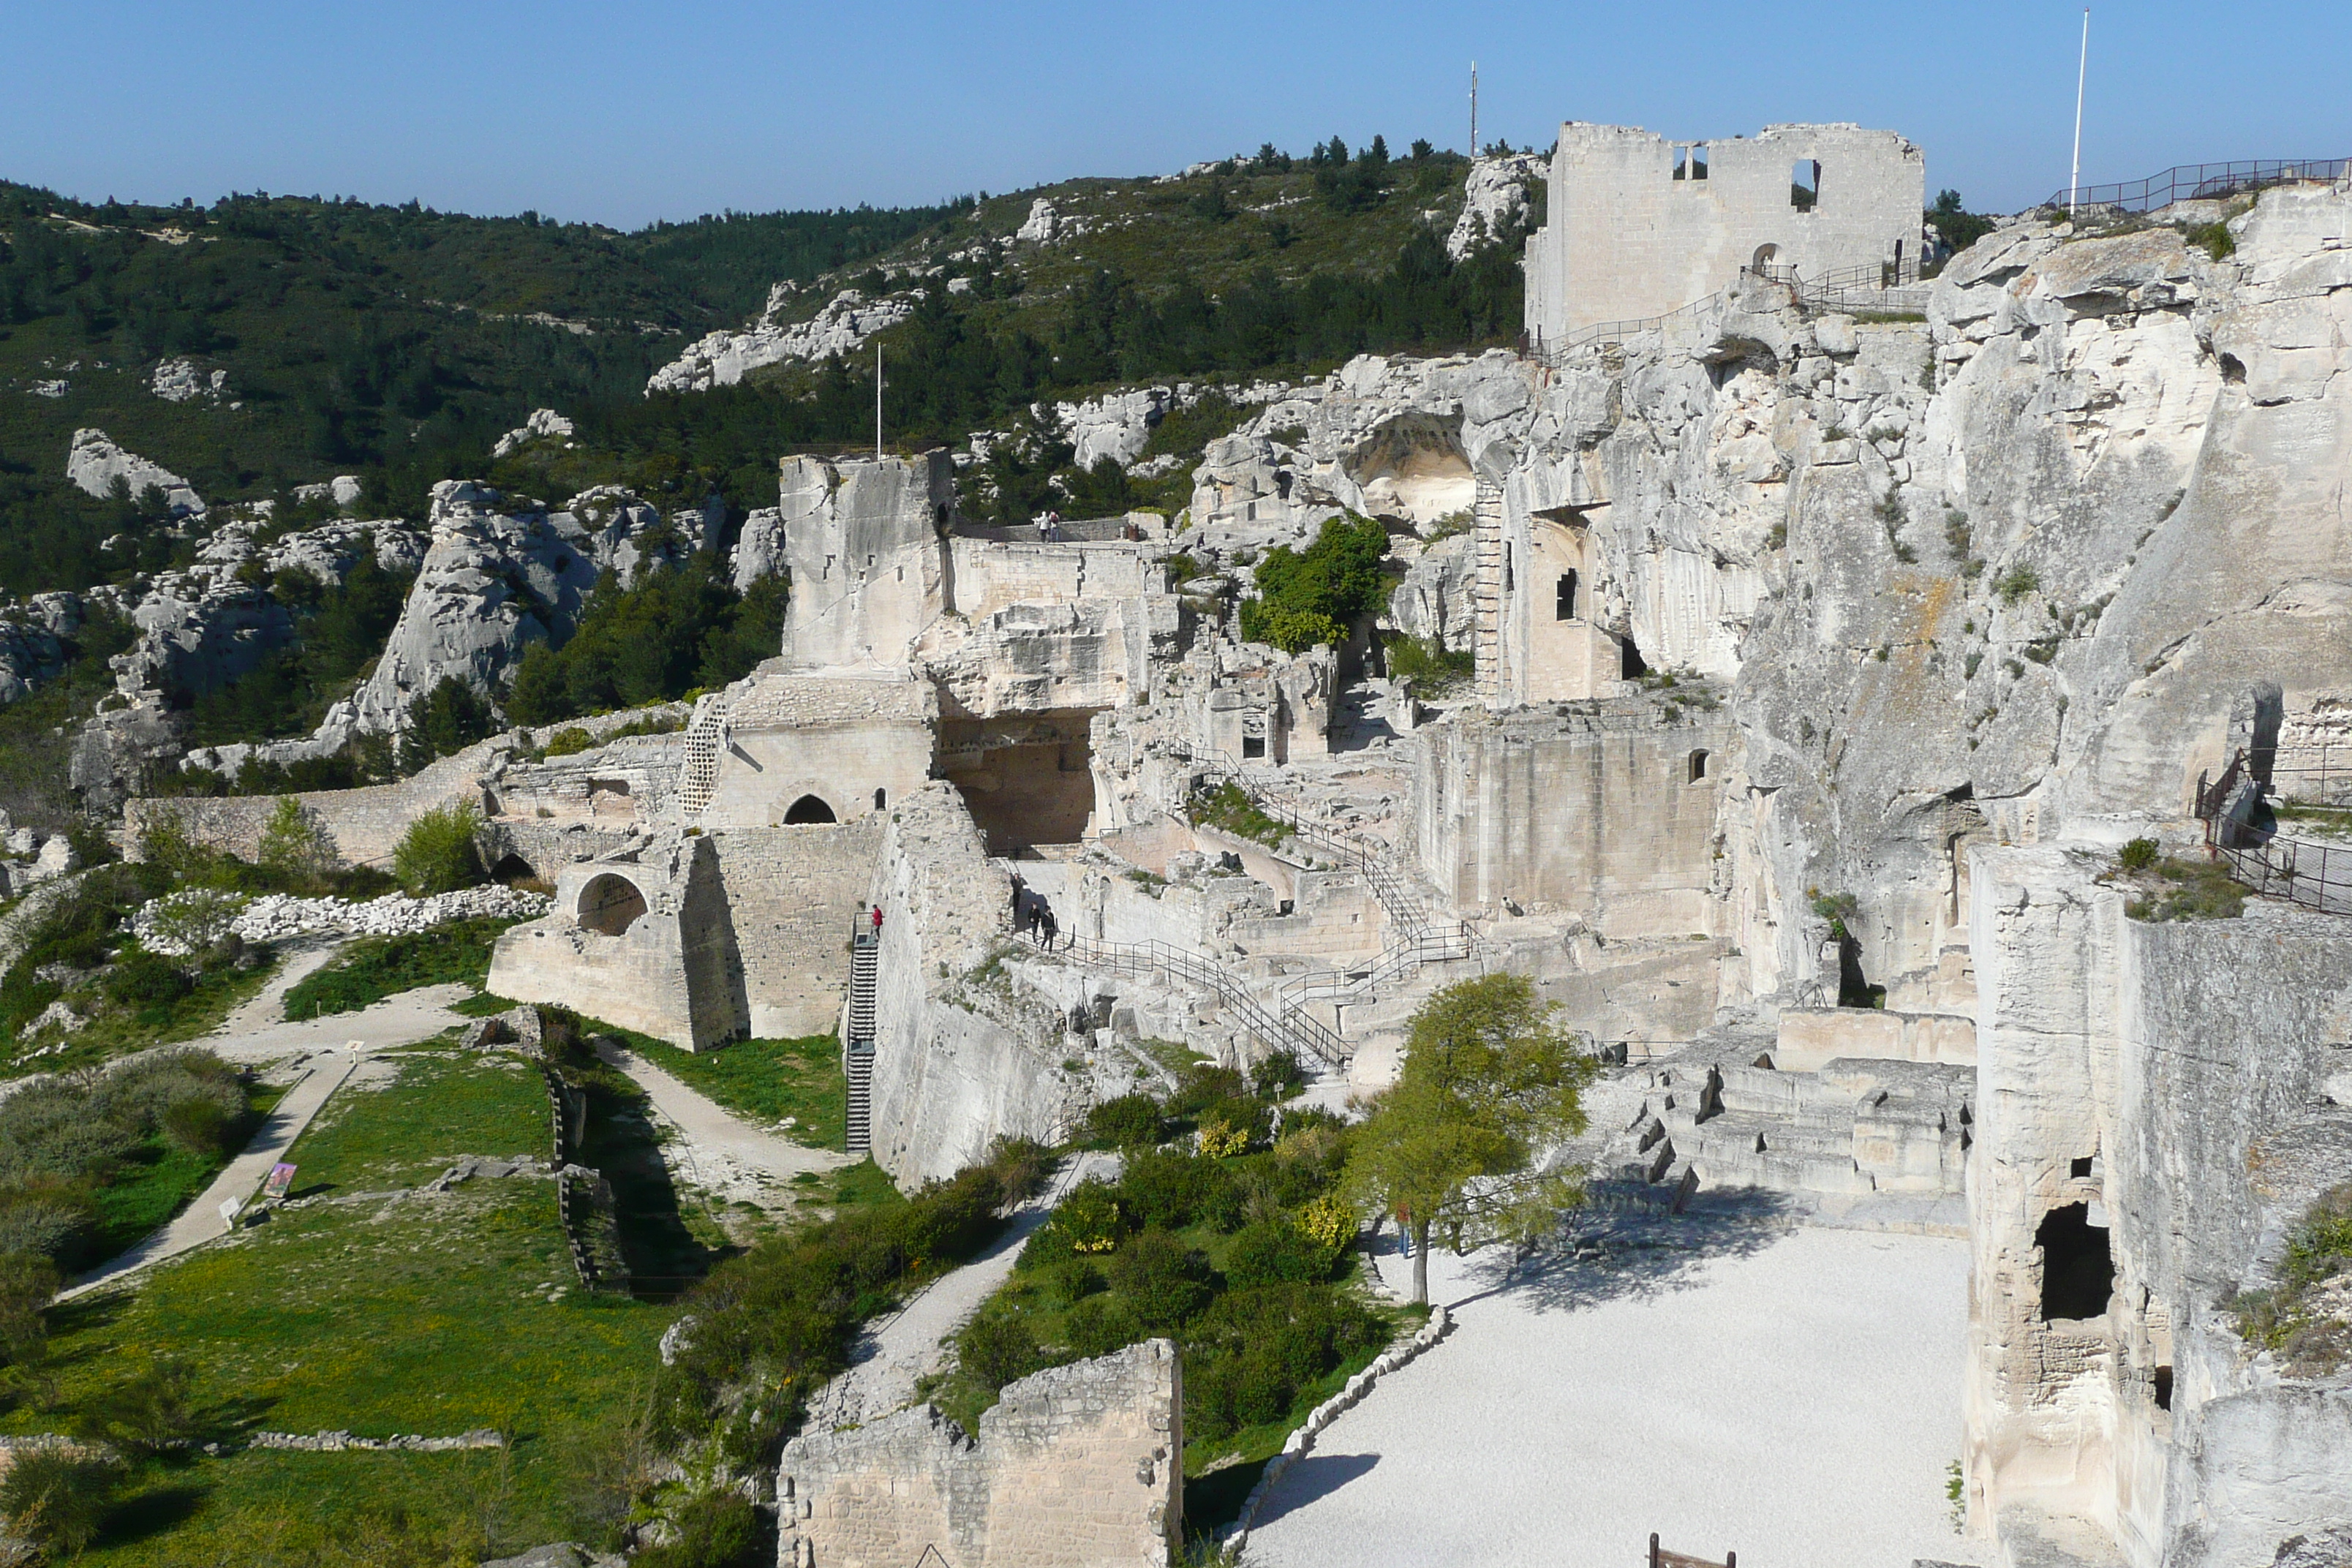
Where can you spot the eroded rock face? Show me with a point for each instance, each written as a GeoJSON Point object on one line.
{"type": "Point", "coordinates": [723, 358]}
{"type": "Point", "coordinates": [1494, 198]}
{"type": "Point", "coordinates": [95, 462]}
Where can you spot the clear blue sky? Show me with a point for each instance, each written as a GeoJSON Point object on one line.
{"type": "Point", "coordinates": [622, 113]}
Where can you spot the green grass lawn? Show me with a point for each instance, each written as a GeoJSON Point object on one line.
{"type": "Point", "coordinates": [376, 967]}
{"type": "Point", "coordinates": [383, 1315]}
{"type": "Point", "coordinates": [766, 1081]}
{"type": "Point", "coordinates": [157, 1180]}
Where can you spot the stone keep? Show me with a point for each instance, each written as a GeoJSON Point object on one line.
{"type": "Point", "coordinates": [1078, 1467]}
{"type": "Point", "coordinates": [1638, 226]}
{"type": "Point", "coordinates": [863, 541]}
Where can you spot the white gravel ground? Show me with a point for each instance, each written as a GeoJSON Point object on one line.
{"type": "Point", "coordinates": [1791, 1394]}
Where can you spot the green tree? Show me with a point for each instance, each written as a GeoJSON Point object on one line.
{"type": "Point", "coordinates": [437, 855]}
{"type": "Point", "coordinates": [1314, 594]}
{"type": "Point", "coordinates": [452, 717]}
{"type": "Point", "coordinates": [1488, 1085]}
{"type": "Point", "coordinates": [1959, 227]}
{"type": "Point", "coordinates": [294, 841]}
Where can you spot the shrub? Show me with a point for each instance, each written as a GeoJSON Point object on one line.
{"type": "Point", "coordinates": [1328, 1222]}
{"type": "Point", "coordinates": [28, 1281]}
{"type": "Point", "coordinates": [1221, 1139]}
{"type": "Point", "coordinates": [437, 855]}
{"type": "Point", "coordinates": [39, 1222]}
{"type": "Point", "coordinates": [294, 841]}
{"type": "Point", "coordinates": [1427, 667]}
{"type": "Point", "coordinates": [2214, 238]}
{"type": "Point", "coordinates": [143, 979]}
{"type": "Point", "coordinates": [1314, 595]}
{"type": "Point", "coordinates": [2139, 855]}
{"type": "Point", "coordinates": [1277, 1252]}
{"type": "Point", "coordinates": [1172, 1189]}
{"type": "Point", "coordinates": [569, 741]}
{"type": "Point", "coordinates": [998, 1348]}
{"type": "Point", "coordinates": [198, 1126]}
{"type": "Point", "coordinates": [2016, 583]}
{"type": "Point", "coordinates": [58, 1497]}
{"type": "Point", "coordinates": [1090, 1219]}
{"type": "Point", "coordinates": [144, 1413]}
{"type": "Point", "coordinates": [1099, 1325]}
{"type": "Point", "coordinates": [1277, 1074]}
{"type": "Point", "coordinates": [1163, 1282]}
{"type": "Point", "coordinates": [715, 1530]}
{"type": "Point", "coordinates": [1131, 1121]}
{"type": "Point", "coordinates": [1204, 1084]}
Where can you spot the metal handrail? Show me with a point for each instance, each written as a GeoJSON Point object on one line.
{"type": "Point", "coordinates": [2201, 182]}
{"type": "Point", "coordinates": [2300, 871]}
{"type": "Point", "coordinates": [1288, 1032]}
{"type": "Point", "coordinates": [1882, 278]}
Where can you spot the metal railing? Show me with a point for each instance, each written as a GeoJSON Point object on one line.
{"type": "Point", "coordinates": [1892, 286]}
{"type": "Point", "coordinates": [1295, 1031]}
{"type": "Point", "coordinates": [2201, 182]}
{"type": "Point", "coordinates": [2301, 870]}
{"type": "Point", "coordinates": [1082, 531]}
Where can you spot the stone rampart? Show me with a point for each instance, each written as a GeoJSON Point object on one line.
{"type": "Point", "coordinates": [791, 894]}
{"type": "Point", "coordinates": [365, 824]}
{"type": "Point", "coordinates": [1078, 1467]}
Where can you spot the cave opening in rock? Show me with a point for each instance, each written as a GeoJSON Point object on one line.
{"type": "Point", "coordinates": [1630, 665]}
{"type": "Point", "coordinates": [1027, 779]}
{"type": "Point", "coordinates": [2163, 1388]}
{"type": "Point", "coordinates": [2078, 1271]}
{"type": "Point", "coordinates": [1854, 989]}
{"type": "Point", "coordinates": [512, 869]}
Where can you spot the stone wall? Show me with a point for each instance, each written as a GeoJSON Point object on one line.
{"type": "Point", "coordinates": [854, 742]}
{"type": "Point", "coordinates": [791, 894]}
{"type": "Point", "coordinates": [365, 824]}
{"type": "Point", "coordinates": [862, 538]}
{"type": "Point", "coordinates": [1625, 237]}
{"type": "Point", "coordinates": [1596, 814]}
{"type": "Point", "coordinates": [1079, 1467]}
{"type": "Point", "coordinates": [2179, 1082]}
{"type": "Point", "coordinates": [961, 1057]}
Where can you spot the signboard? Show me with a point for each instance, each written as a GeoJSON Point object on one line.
{"type": "Point", "coordinates": [280, 1178]}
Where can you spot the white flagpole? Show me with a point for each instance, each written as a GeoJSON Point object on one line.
{"type": "Point", "coordinates": [2081, 68]}
{"type": "Point", "coordinates": [878, 402]}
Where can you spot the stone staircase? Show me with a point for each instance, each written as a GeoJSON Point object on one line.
{"type": "Point", "coordinates": [1488, 590]}
{"type": "Point", "coordinates": [858, 1042]}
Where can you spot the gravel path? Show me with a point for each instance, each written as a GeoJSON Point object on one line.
{"type": "Point", "coordinates": [1793, 1395]}
{"type": "Point", "coordinates": [893, 1352]}
{"type": "Point", "coordinates": [201, 1221]}
{"type": "Point", "coordinates": [401, 1020]}
{"type": "Point", "coordinates": [726, 1156]}
{"type": "Point", "coordinates": [267, 1005]}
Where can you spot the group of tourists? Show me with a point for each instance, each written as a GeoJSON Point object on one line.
{"type": "Point", "coordinates": [1033, 914]}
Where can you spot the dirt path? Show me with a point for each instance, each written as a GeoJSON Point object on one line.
{"type": "Point", "coordinates": [201, 1221]}
{"type": "Point", "coordinates": [401, 1020]}
{"type": "Point", "coordinates": [724, 1154]}
{"type": "Point", "coordinates": [267, 1005]}
{"type": "Point", "coordinates": [893, 1352]}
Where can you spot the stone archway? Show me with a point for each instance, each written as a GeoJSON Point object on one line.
{"type": "Point", "coordinates": [807, 809]}
{"type": "Point", "coordinates": [610, 904]}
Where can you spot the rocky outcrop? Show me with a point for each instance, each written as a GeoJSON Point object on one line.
{"type": "Point", "coordinates": [491, 583]}
{"type": "Point", "coordinates": [179, 381]}
{"type": "Point", "coordinates": [544, 424]}
{"type": "Point", "coordinates": [95, 463]}
{"type": "Point", "coordinates": [758, 548]}
{"type": "Point", "coordinates": [723, 358]}
{"type": "Point", "coordinates": [1494, 198]}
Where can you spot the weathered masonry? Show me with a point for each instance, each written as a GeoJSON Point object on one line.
{"type": "Point", "coordinates": [1638, 226]}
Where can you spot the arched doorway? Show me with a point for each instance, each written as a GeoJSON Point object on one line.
{"type": "Point", "coordinates": [808, 810]}
{"type": "Point", "coordinates": [881, 799]}
{"type": "Point", "coordinates": [610, 904]}
{"type": "Point", "coordinates": [1765, 256]}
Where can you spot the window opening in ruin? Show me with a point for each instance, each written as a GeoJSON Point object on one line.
{"type": "Point", "coordinates": [807, 809]}
{"type": "Point", "coordinates": [1630, 665]}
{"type": "Point", "coordinates": [2164, 1388]}
{"type": "Point", "coordinates": [1563, 603]}
{"type": "Point", "coordinates": [2081, 1167]}
{"type": "Point", "coordinates": [1253, 746]}
{"type": "Point", "coordinates": [610, 904]}
{"type": "Point", "coordinates": [1805, 184]}
{"type": "Point", "coordinates": [1697, 766]}
{"type": "Point", "coordinates": [1854, 989]}
{"type": "Point", "coordinates": [881, 798]}
{"type": "Point", "coordinates": [2078, 1272]}
{"type": "Point", "coordinates": [1506, 568]}
{"type": "Point", "coordinates": [1763, 257]}
{"type": "Point", "coordinates": [1682, 162]}
{"type": "Point", "coordinates": [1698, 161]}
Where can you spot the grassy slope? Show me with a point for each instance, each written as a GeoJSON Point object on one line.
{"type": "Point", "coordinates": [766, 1080]}
{"type": "Point", "coordinates": [415, 1316]}
{"type": "Point", "coordinates": [379, 967]}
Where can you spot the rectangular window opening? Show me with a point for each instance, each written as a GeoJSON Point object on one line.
{"type": "Point", "coordinates": [1253, 746]}
{"type": "Point", "coordinates": [1564, 606]}
{"type": "Point", "coordinates": [1698, 161]}
{"type": "Point", "coordinates": [1805, 184]}
{"type": "Point", "coordinates": [1682, 162]}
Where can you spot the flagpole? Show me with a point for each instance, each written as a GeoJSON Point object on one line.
{"type": "Point", "coordinates": [2081, 68]}
{"type": "Point", "coordinates": [878, 402]}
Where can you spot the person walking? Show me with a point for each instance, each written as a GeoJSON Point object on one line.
{"type": "Point", "coordinates": [878, 923]}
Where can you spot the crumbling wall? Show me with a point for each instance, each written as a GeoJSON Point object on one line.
{"type": "Point", "coordinates": [2173, 1081]}
{"type": "Point", "coordinates": [1079, 1467]}
{"type": "Point", "coordinates": [863, 539]}
{"type": "Point", "coordinates": [365, 824]}
{"type": "Point", "coordinates": [960, 1057]}
{"type": "Point", "coordinates": [791, 894]}
{"type": "Point", "coordinates": [855, 742]}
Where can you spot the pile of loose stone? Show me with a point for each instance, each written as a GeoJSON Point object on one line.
{"type": "Point", "coordinates": [274, 917]}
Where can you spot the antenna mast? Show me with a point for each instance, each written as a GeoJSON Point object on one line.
{"type": "Point", "coordinates": [2081, 68]}
{"type": "Point", "coordinates": [878, 402]}
{"type": "Point", "coordinates": [1474, 111]}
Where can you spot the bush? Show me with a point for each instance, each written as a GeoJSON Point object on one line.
{"type": "Point", "coordinates": [1130, 1122]}
{"type": "Point", "coordinates": [1203, 1085]}
{"type": "Point", "coordinates": [998, 1348]}
{"type": "Point", "coordinates": [1428, 668]}
{"type": "Point", "coordinates": [1252, 1354]}
{"type": "Point", "coordinates": [1099, 1325]}
{"type": "Point", "coordinates": [437, 855]}
{"type": "Point", "coordinates": [28, 1281]}
{"type": "Point", "coordinates": [1163, 1282]}
{"type": "Point", "coordinates": [1090, 1222]}
{"type": "Point", "coordinates": [569, 741]}
{"type": "Point", "coordinates": [1314, 594]}
{"type": "Point", "coordinates": [1172, 1189]}
{"type": "Point", "coordinates": [59, 1496]}
{"type": "Point", "coordinates": [198, 1127]}
{"type": "Point", "coordinates": [1277, 1252]}
{"type": "Point", "coordinates": [294, 842]}
{"type": "Point", "coordinates": [1277, 1075]}
{"type": "Point", "coordinates": [2016, 583]}
{"type": "Point", "coordinates": [142, 979]}
{"type": "Point", "coordinates": [144, 1413]}
{"type": "Point", "coordinates": [2139, 855]}
{"type": "Point", "coordinates": [715, 1530]}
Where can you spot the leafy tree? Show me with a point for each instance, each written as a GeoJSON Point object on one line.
{"type": "Point", "coordinates": [1959, 227]}
{"type": "Point", "coordinates": [59, 1496]}
{"type": "Point", "coordinates": [1488, 1084]}
{"type": "Point", "coordinates": [1314, 594]}
{"type": "Point", "coordinates": [452, 717]}
{"type": "Point", "coordinates": [294, 842]}
{"type": "Point", "coordinates": [1421, 150]}
{"type": "Point", "coordinates": [437, 855]}
{"type": "Point", "coordinates": [675, 630]}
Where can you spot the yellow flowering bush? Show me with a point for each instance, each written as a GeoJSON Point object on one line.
{"type": "Point", "coordinates": [1328, 1223]}
{"type": "Point", "coordinates": [1222, 1140]}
